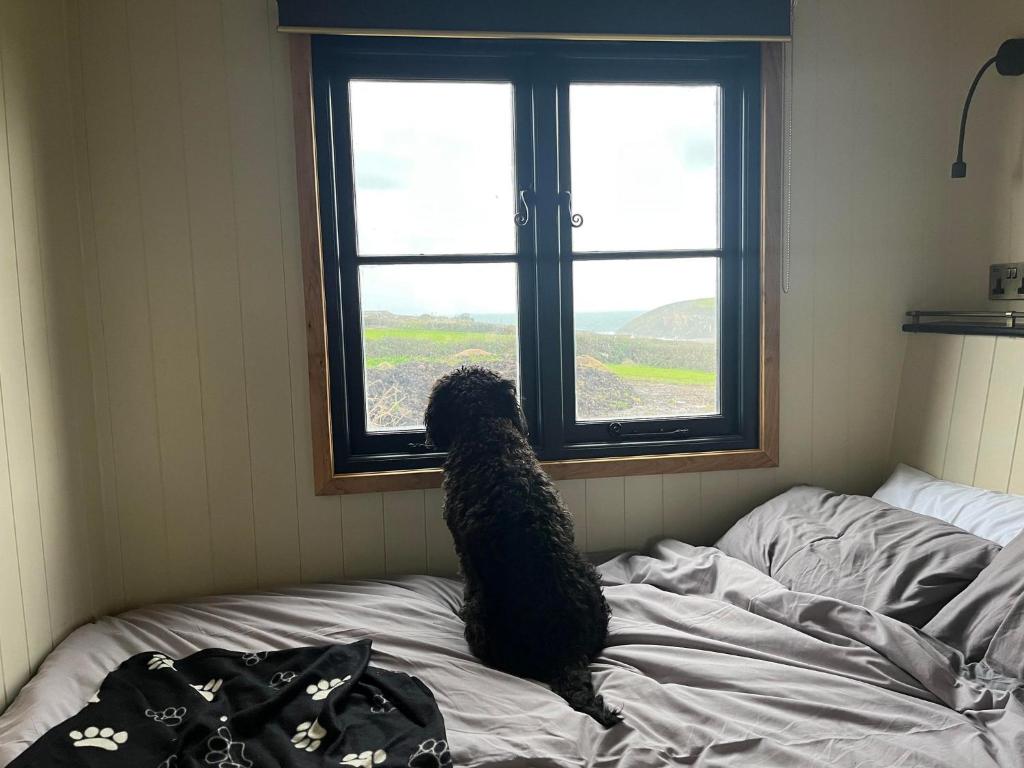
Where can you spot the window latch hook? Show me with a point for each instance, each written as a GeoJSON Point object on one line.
{"type": "Point", "coordinates": [523, 212]}
{"type": "Point", "coordinates": [575, 219]}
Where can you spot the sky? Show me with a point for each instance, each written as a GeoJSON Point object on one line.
{"type": "Point", "coordinates": [434, 174]}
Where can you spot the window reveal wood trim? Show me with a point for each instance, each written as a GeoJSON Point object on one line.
{"type": "Point", "coordinates": [327, 482]}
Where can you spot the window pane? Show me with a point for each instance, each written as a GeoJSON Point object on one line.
{"type": "Point", "coordinates": [646, 338]}
{"type": "Point", "coordinates": [433, 165]}
{"type": "Point", "coordinates": [421, 321]}
{"type": "Point", "coordinates": [645, 173]}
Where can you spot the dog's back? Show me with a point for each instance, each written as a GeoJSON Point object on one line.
{"type": "Point", "coordinates": [533, 605]}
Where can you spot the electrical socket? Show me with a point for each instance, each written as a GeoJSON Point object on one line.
{"type": "Point", "coordinates": [1006, 281]}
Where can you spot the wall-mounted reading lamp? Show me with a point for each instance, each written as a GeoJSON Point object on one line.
{"type": "Point", "coordinates": [1009, 61]}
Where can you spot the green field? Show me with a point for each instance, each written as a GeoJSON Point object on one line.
{"type": "Point", "coordinates": [436, 337]}
{"type": "Point", "coordinates": [616, 373]}
{"type": "Point", "coordinates": [668, 375]}
{"type": "Point", "coordinates": [680, 362]}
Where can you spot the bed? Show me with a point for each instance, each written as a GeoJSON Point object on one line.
{"type": "Point", "coordinates": [713, 661]}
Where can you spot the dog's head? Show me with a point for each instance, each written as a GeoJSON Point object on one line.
{"type": "Point", "coordinates": [463, 398]}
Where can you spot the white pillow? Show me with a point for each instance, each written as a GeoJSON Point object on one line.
{"type": "Point", "coordinates": [998, 517]}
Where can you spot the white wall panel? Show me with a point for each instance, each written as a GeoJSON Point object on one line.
{"type": "Point", "coordinates": [215, 261]}
{"type": "Point", "coordinates": [163, 192]}
{"type": "Point", "coordinates": [49, 485]}
{"type": "Point", "coordinates": [998, 442]}
{"type": "Point", "coordinates": [574, 495]}
{"type": "Point", "coordinates": [258, 230]}
{"type": "Point", "coordinates": [201, 398]}
{"type": "Point", "coordinates": [405, 533]}
{"type": "Point", "coordinates": [441, 557]}
{"type": "Point", "coordinates": [644, 511]}
{"type": "Point", "coordinates": [927, 390]}
{"type": "Point", "coordinates": [959, 416]}
{"type": "Point", "coordinates": [606, 514]}
{"type": "Point", "coordinates": [969, 409]}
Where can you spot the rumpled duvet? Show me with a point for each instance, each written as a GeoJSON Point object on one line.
{"type": "Point", "coordinates": [713, 663]}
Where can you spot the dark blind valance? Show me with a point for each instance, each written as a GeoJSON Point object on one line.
{"type": "Point", "coordinates": [558, 19]}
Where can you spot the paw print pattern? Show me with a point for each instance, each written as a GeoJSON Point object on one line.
{"type": "Point", "coordinates": [172, 716]}
{"type": "Point", "coordinates": [252, 659]}
{"type": "Point", "coordinates": [308, 736]}
{"type": "Point", "coordinates": [224, 752]}
{"type": "Point", "coordinates": [171, 761]}
{"type": "Point", "coordinates": [380, 706]}
{"type": "Point", "coordinates": [366, 759]}
{"type": "Point", "coordinates": [209, 689]}
{"type": "Point", "coordinates": [160, 661]}
{"type": "Point", "coordinates": [281, 679]}
{"type": "Point", "coordinates": [101, 738]}
{"type": "Point", "coordinates": [323, 689]}
{"type": "Point", "coordinates": [432, 753]}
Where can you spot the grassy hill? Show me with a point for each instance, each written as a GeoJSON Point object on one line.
{"type": "Point", "coordinates": [685, 320]}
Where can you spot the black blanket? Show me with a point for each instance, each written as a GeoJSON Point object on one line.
{"type": "Point", "coordinates": [321, 706]}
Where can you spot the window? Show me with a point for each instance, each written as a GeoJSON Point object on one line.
{"type": "Point", "coordinates": [585, 218]}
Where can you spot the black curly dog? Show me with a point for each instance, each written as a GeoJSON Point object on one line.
{"type": "Point", "coordinates": [533, 606]}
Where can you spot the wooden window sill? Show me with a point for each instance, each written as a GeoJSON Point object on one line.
{"type": "Point", "coordinates": [419, 479]}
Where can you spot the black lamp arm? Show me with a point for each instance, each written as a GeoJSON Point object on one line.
{"type": "Point", "coordinates": [960, 167]}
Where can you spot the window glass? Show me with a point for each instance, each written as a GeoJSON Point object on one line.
{"type": "Point", "coordinates": [433, 165]}
{"type": "Point", "coordinates": [647, 338]}
{"type": "Point", "coordinates": [422, 320]}
{"type": "Point", "coordinates": [645, 166]}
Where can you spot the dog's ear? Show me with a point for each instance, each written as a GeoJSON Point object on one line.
{"type": "Point", "coordinates": [507, 404]}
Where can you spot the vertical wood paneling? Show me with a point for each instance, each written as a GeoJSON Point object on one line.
{"type": "Point", "coordinates": [1016, 482]}
{"type": "Point", "coordinates": [1005, 395]}
{"type": "Point", "coordinates": [405, 532]}
{"type": "Point", "coordinates": [18, 243]}
{"type": "Point", "coordinates": [606, 514]}
{"type": "Point", "coordinates": [319, 517]}
{"type": "Point", "coordinates": [103, 522]}
{"type": "Point", "coordinates": [927, 389]}
{"type": "Point", "coordinates": [682, 508]}
{"type": "Point", "coordinates": [125, 298]}
{"type": "Point", "coordinates": [257, 221]}
{"type": "Point", "coordinates": [969, 409]}
{"type": "Point", "coordinates": [960, 410]}
{"type": "Point", "coordinates": [206, 381]}
{"type": "Point", "coordinates": [320, 543]}
{"type": "Point", "coordinates": [48, 458]}
{"type": "Point", "coordinates": [874, 190]}
{"type": "Point", "coordinates": [1003, 412]}
{"type": "Point", "coordinates": [644, 510]}
{"type": "Point", "coordinates": [724, 498]}
{"type": "Point", "coordinates": [215, 256]}
{"type": "Point", "coordinates": [837, 53]}
{"type": "Point", "coordinates": [1002, 416]}
{"type": "Point", "coordinates": [362, 526]}
{"type": "Point", "coordinates": [65, 435]}
{"type": "Point", "coordinates": [1001, 420]}
{"type": "Point", "coordinates": [441, 557]}
{"type": "Point", "coordinates": [13, 638]}
{"type": "Point", "coordinates": [163, 194]}
{"type": "Point", "coordinates": [574, 495]}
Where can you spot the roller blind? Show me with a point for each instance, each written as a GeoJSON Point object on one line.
{"type": "Point", "coordinates": [539, 19]}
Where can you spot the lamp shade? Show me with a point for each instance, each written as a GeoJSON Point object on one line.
{"type": "Point", "coordinates": [1010, 57]}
